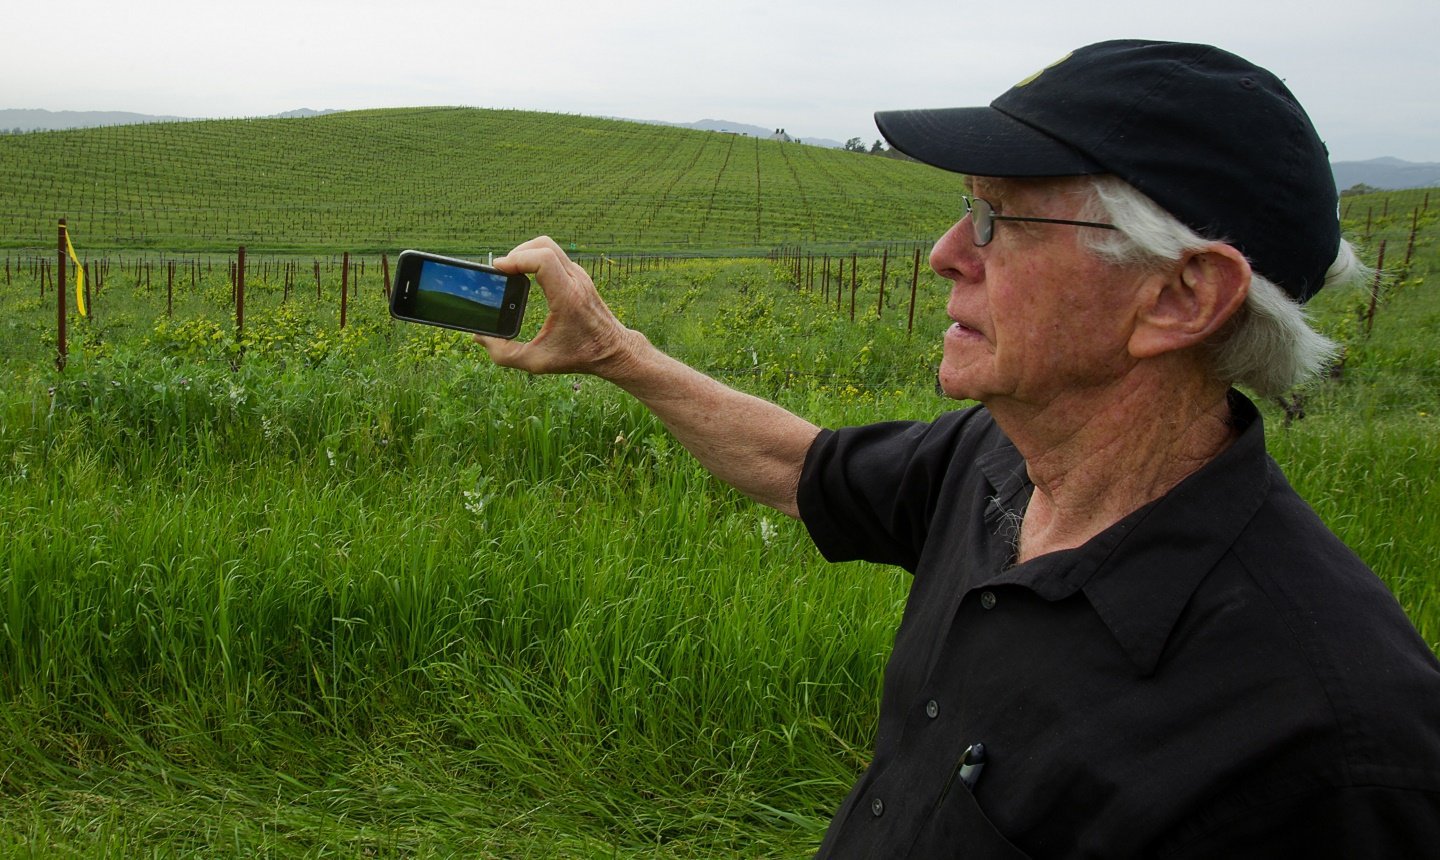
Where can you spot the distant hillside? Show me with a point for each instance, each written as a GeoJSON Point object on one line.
{"type": "Point", "coordinates": [47, 120]}
{"type": "Point", "coordinates": [12, 120]}
{"type": "Point", "coordinates": [455, 179]}
{"type": "Point", "coordinates": [1386, 173]}
{"type": "Point", "coordinates": [756, 131]}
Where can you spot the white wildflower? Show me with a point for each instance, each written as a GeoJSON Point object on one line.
{"type": "Point", "coordinates": [767, 530]}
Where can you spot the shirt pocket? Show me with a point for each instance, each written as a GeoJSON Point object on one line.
{"type": "Point", "coordinates": [958, 827]}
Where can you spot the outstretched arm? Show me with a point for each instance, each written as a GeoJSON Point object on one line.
{"type": "Point", "coordinates": [750, 443]}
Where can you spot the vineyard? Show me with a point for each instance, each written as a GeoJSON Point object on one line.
{"type": "Point", "coordinates": [458, 180]}
{"type": "Point", "coordinates": [299, 588]}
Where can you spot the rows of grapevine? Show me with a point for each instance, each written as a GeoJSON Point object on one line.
{"type": "Point", "coordinates": [455, 179]}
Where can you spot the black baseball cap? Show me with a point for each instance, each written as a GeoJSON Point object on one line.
{"type": "Point", "coordinates": [1215, 140]}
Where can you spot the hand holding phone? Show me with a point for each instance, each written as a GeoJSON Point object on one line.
{"type": "Point", "coordinates": [580, 333]}
{"type": "Point", "coordinates": [458, 294]}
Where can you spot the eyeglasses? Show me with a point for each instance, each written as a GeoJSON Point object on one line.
{"type": "Point", "coordinates": [983, 217]}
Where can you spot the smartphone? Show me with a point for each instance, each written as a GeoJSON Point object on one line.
{"type": "Point", "coordinates": [458, 294]}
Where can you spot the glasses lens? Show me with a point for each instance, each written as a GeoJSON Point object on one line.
{"type": "Point", "coordinates": [981, 219]}
{"type": "Point", "coordinates": [982, 216]}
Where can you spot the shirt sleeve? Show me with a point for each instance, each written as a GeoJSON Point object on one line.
{"type": "Point", "coordinates": [870, 493]}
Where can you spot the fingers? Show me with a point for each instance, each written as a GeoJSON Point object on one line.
{"type": "Point", "coordinates": [563, 281]}
{"type": "Point", "coordinates": [529, 257]}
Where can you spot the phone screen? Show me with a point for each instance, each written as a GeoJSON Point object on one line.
{"type": "Point", "coordinates": [464, 297]}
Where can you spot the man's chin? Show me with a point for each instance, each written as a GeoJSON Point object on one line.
{"type": "Point", "coordinates": [955, 385]}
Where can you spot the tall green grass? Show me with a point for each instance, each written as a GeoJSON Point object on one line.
{"type": "Point", "coordinates": [395, 599]}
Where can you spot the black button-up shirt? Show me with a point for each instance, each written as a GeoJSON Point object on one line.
{"type": "Point", "coordinates": [1214, 675]}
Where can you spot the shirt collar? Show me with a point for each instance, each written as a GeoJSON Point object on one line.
{"type": "Point", "coordinates": [1141, 572]}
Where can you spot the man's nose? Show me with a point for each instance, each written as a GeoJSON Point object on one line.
{"type": "Point", "coordinates": [954, 256]}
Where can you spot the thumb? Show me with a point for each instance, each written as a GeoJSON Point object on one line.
{"type": "Point", "coordinates": [505, 353]}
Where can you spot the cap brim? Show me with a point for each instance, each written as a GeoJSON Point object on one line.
{"type": "Point", "coordinates": [980, 141]}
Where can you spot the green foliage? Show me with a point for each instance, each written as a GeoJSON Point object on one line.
{"type": "Point", "coordinates": [196, 339]}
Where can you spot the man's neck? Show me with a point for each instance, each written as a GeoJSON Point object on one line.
{"type": "Point", "coordinates": [1097, 457]}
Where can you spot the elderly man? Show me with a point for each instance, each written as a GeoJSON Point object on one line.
{"type": "Point", "coordinates": [1126, 635]}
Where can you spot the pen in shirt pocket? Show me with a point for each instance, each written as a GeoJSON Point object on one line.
{"type": "Point", "coordinates": [971, 763]}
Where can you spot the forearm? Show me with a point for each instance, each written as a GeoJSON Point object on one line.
{"type": "Point", "coordinates": [751, 444]}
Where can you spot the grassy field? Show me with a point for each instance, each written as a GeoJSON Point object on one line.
{"type": "Point", "coordinates": [368, 593]}
{"type": "Point", "coordinates": [356, 592]}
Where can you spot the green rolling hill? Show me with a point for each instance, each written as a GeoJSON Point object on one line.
{"type": "Point", "coordinates": [463, 180]}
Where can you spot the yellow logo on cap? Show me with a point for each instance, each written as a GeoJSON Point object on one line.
{"type": "Point", "coordinates": [1032, 78]}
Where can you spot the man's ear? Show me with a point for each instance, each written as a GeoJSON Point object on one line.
{"type": "Point", "coordinates": [1190, 302]}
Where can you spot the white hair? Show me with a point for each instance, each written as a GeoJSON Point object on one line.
{"type": "Point", "coordinates": [1268, 346]}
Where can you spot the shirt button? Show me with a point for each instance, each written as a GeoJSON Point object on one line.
{"type": "Point", "coordinates": [877, 807]}
{"type": "Point", "coordinates": [932, 709]}
{"type": "Point", "coordinates": [987, 599]}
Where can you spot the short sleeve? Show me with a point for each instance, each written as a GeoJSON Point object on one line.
{"type": "Point", "coordinates": [870, 493]}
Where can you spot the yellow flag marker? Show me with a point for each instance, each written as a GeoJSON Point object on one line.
{"type": "Point", "coordinates": [79, 276]}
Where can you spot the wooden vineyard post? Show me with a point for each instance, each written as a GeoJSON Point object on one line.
{"type": "Point", "coordinates": [60, 301]}
{"type": "Point", "coordinates": [170, 291]}
{"type": "Point", "coordinates": [884, 268]}
{"type": "Point", "coordinates": [385, 275]}
{"type": "Point", "coordinates": [854, 283]}
{"type": "Point", "coordinates": [317, 280]}
{"type": "Point", "coordinates": [344, 286]}
{"type": "Point", "coordinates": [1409, 249]}
{"type": "Point", "coordinates": [85, 279]}
{"type": "Point", "coordinates": [240, 297]}
{"type": "Point", "coordinates": [914, 282]}
{"type": "Point", "coordinates": [1375, 288]}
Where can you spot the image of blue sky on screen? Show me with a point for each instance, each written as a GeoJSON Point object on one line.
{"type": "Point", "coordinates": [482, 287]}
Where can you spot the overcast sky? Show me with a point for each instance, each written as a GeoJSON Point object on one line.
{"type": "Point", "coordinates": [1369, 75]}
